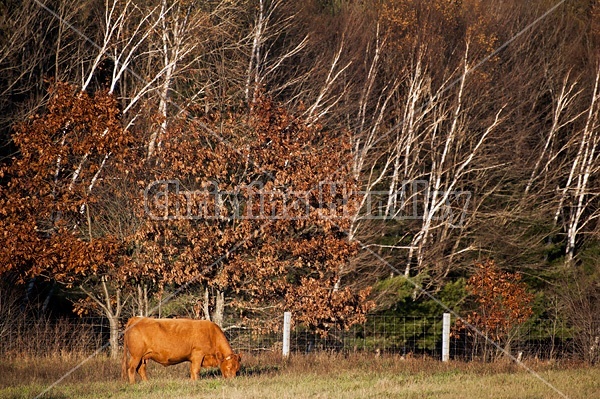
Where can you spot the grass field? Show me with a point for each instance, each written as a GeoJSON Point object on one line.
{"type": "Point", "coordinates": [315, 376]}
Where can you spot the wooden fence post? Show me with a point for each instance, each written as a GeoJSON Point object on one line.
{"type": "Point", "coordinates": [287, 322]}
{"type": "Point", "coordinates": [446, 338]}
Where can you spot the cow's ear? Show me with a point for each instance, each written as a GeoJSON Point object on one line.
{"type": "Point", "coordinates": [219, 356]}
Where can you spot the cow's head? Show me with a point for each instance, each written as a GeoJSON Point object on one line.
{"type": "Point", "coordinates": [229, 365]}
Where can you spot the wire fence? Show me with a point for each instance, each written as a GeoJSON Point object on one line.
{"type": "Point", "coordinates": [39, 337]}
{"type": "Point", "coordinates": [422, 336]}
{"type": "Point", "coordinates": [404, 336]}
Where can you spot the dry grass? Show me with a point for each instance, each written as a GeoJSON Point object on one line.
{"type": "Point", "coordinates": [314, 376]}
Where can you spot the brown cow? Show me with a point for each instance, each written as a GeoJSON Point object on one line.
{"type": "Point", "coordinates": [173, 341]}
{"type": "Point", "coordinates": [210, 361]}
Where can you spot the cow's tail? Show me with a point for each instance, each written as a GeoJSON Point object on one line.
{"type": "Point", "coordinates": [130, 323]}
{"type": "Point", "coordinates": [124, 361]}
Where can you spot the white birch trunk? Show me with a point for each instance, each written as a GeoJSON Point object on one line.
{"type": "Point", "coordinates": [585, 162]}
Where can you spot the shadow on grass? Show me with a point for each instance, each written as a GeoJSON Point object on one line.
{"type": "Point", "coordinates": [245, 371]}
{"type": "Point", "coordinates": [258, 370]}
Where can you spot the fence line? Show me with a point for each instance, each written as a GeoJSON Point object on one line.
{"type": "Point", "coordinates": [405, 336]}
{"type": "Point", "coordinates": [44, 337]}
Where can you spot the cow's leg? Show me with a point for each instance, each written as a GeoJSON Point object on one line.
{"type": "Point", "coordinates": [134, 364]}
{"type": "Point", "coordinates": [195, 369]}
{"type": "Point", "coordinates": [142, 370]}
{"type": "Point", "coordinates": [196, 360]}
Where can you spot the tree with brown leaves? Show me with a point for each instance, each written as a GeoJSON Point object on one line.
{"type": "Point", "coordinates": [502, 303]}
{"type": "Point", "coordinates": [48, 213]}
{"type": "Point", "coordinates": [273, 194]}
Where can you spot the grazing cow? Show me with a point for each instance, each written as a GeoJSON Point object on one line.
{"type": "Point", "coordinates": [173, 341]}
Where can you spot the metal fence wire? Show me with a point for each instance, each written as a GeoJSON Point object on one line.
{"type": "Point", "coordinates": [405, 336]}
{"type": "Point", "coordinates": [23, 336]}
{"type": "Point", "coordinates": [422, 336]}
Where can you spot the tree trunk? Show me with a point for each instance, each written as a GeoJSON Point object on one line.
{"type": "Point", "coordinates": [113, 322]}
{"type": "Point", "coordinates": [219, 308]}
{"type": "Point", "coordinates": [142, 300]}
{"type": "Point", "coordinates": [218, 312]}
{"type": "Point", "coordinates": [205, 304]}
{"type": "Point", "coordinates": [111, 313]}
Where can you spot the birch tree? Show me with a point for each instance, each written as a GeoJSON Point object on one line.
{"type": "Point", "coordinates": [265, 60]}
{"type": "Point", "coordinates": [415, 147]}
{"type": "Point", "coordinates": [576, 193]}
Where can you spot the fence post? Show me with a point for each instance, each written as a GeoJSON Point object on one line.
{"type": "Point", "coordinates": [446, 338]}
{"type": "Point", "coordinates": [287, 322]}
